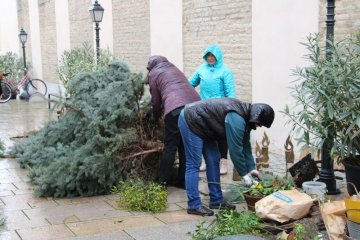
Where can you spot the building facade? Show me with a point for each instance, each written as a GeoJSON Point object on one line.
{"type": "Point", "coordinates": [260, 39]}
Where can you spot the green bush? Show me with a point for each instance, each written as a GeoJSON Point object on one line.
{"type": "Point", "coordinates": [81, 59]}
{"type": "Point", "coordinates": [327, 97]}
{"type": "Point", "coordinates": [136, 195]}
{"type": "Point", "coordinates": [12, 64]}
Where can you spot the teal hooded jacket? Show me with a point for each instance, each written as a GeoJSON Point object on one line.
{"type": "Point", "coordinates": [216, 81]}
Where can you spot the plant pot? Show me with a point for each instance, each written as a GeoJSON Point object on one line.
{"type": "Point", "coordinates": [251, 200]}
{"type": "Point", "coordinates": [352, 174]}
{"type": "Point", "coordinates": [353, 209]}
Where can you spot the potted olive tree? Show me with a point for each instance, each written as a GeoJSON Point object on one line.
{"type": "Point", "coordinates": [327, 102]}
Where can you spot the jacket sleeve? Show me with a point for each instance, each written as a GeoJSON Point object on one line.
{"type": "Point", "coordinates": [236, 136]}
{"type": "Point", "coordinates": [155, 98]}
{"type": "Point", "coordinates": [195, 79]}
{"type": "Point", "coordinates": [229, 84]}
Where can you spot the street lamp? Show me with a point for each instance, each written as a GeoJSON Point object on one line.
{"type": "Point", "coordinates": [96, 13]}
{"type": "Point", "coordinates": [23, 37]}
{"type": "Point", "coordinates": [327, 171]}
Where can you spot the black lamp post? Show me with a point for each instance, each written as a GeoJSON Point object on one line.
{"type": "Point", "coordinates": [96, 12]}
{"type": "Point", "coordinates": [327, 171]}
{"type": "Point", "coordinates": [23, 37]}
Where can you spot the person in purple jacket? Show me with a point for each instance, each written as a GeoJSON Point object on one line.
{"type": "Point", "coordinates": [170, 92]}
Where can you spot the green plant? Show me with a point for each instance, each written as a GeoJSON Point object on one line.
{"type": "Point", "coordinates": [327, 98]}
{"type": "Point", "coordinates": [269, 185]}
{"type": "Point", "coordinates": [81, 59]}
{"type": "Point", "coordinates": [136, 195]}
{"type": "Point", "coordinates": [229, 222]}
{"type": "Point", "coordinates": [12, 64]}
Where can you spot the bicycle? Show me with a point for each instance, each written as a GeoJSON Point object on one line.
{"type": "Point", "coordinates": [31, 86]}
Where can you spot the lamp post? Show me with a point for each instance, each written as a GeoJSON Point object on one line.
{"type": "Point", "coordinates": [96, 13]}
{"type": "Point", "coordinates": [23, 37]}
{"type": "Point", "coordinates": [327, 172]}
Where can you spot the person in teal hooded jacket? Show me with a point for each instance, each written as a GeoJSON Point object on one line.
{"type": "Point", "coordinates": [216, 80]}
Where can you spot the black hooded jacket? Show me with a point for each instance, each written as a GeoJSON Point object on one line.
{"type": "Point", "coordinates": [206, 118]}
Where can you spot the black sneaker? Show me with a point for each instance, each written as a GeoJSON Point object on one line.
{"type": "Point", "coordinates": [202, 211]}
{"type": "Point", "coordinates": [223, 206]}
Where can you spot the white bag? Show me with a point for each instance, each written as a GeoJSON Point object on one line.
{"type": "Point", "coordinates": [284, 205]}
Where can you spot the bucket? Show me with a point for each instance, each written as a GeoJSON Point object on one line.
{"type": "Point", "coordinates": [315, 189]}
{"type": "Point", "coordinates": [352, 209]}
{"type": "Point", "coordinates": [354, 229]}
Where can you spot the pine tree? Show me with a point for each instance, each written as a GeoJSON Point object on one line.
{"type": "Point", "coordinates": [102, 137]}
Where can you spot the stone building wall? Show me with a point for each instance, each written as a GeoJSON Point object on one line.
{"type": "Point", "coordinates": [81, 26]}
{"type": "Point", "coordinates": [223, 22]}
{"type": "Point", "coordinates": [47, 22]}
{"type": "Point", "coordinates": [131, 26]}
{"type": "Point", "coordinates": [347, 18]}
{"type": "Point", "coordinates": [24, 22]}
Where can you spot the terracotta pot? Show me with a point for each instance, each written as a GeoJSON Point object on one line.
{"type": "Point", "coordinates": [251, 200]}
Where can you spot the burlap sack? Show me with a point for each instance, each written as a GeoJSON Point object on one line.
{"type": "Point", "coordinates": [284, 205]}
{"type": "Point", "coordinates": [333, 214]}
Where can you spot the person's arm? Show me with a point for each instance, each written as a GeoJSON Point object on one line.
{"type": "Point", "coordinates": [194, 80]}
{"type": "Point", "coordinates": [229, 84]}
{"type": "Point", "coordinates": [235, 127]}
{"type": "Point", "coordinates": [155, 99]}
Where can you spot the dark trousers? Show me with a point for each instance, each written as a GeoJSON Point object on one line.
{"type": "Point", "coordinates": [223, 148]}
{"type": "Point", "coordinates": [172, 143]}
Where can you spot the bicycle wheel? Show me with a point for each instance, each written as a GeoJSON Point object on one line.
{"type": "Point", "coordinates": [5, 92]}
{"type": "Point", "coordinates": [36, 86]}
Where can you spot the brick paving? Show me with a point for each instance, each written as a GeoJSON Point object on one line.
{"type": "Point", "coordinates": [98, 217]}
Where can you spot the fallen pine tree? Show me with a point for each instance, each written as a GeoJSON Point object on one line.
{"type": "Point", "coordinates": [102, 137]}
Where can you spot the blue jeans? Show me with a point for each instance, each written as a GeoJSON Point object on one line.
{"type": "Point", "coordinates": [194, 148]}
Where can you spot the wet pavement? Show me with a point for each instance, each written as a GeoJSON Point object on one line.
{"type": "Point", "coordinates": [98, 217]}
{"type": "Point", "coordinates": [30, 217]}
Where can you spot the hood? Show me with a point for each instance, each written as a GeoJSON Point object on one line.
{"type": "Point", "coordinates": [261, 114]}
{"type": "Point", "coordinates": [216, 51]}
{"type": "Point", "coordinates": [155, 60]}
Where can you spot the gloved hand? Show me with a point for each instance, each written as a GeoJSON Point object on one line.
{"type": "Point", "coordinates": [257, 174]}
{"type": "Point", "coordinates": [248, 181]}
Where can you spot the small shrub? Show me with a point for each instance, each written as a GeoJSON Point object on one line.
{"type": "Point", "coordinates": [81, 59]}
{"type": "Point", "coordinates": [12, 64]}
{"type": "Point", "coordinates": [136, 195]}
{"type": "Point", "coordinates": [229, 222]}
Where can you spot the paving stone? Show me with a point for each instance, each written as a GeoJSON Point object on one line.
{"type": "Point", "coordinates": [8, 163]}
{"type": "Point", "coordinates": [113, 225]}
{"type": "Point", "coordinates": [15, 220]}
{"type": "Point", "coordinates": [176, 216]}
{"type": "Point", "coordinates": [183, 205]}
{"type": "Point", "coordinates": [176, 195]}
{"type": "Point", "coordinates": [87, 211]}
{"type": "Point", "coordinates": [79, 200]}
{"type": "Point", "coordinates": [45, 233]}
{"type": "Point", "coordinates": [179, 231]}
{"type": "Point", "coordinates": [173, 207]}
{"type": "Point", "coordinates": [17, 202]}
{"type": "Point", "coordinates": [6, 193]}
{"type": "Point", "coordinates": [9, 235]}
{"type": "Point", "coordinates": [105, 236]}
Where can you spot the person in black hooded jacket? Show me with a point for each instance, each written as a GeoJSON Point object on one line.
{"type": "Point", "coordinates": [206, 122]}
